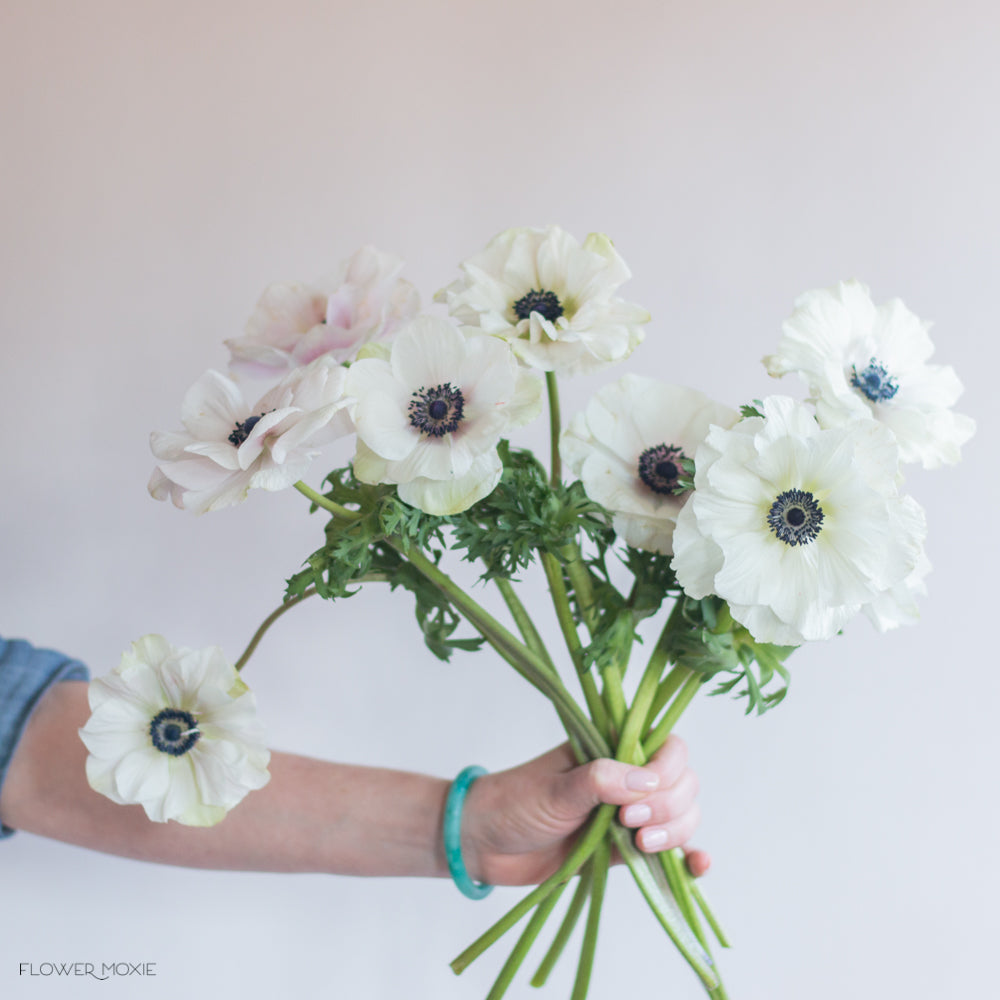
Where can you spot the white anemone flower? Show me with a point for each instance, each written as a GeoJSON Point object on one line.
{"type": "Point", "coordinates": [294, 323]}
{"type": "Point", "coordinates": [627, 446]}
{"type": "Point", "coordinates": [863, 360]}
{"type": "Point", "coordinates": [429, 416]}
{"type": "Point", "coordinates": [797, 527]}
{"type": "Point", "coordinates": [898, 605]}
{"type": "Point", "coordinates": [176, 731]}
{"type": "Point", "coordinates": [228, 447]}
{"type": "Point", "coordinates": [551, 298]}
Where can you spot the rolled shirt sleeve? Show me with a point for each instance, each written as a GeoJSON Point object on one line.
{"type": "Point", "coordinates": [26, 673]}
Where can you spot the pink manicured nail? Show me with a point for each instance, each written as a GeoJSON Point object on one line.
{"type": "Point", "coordinates": [636, 815]}
{"type": "Point", "coordinates": [641, 779]}
{"type": "Point", "coordinates": [652, 839]}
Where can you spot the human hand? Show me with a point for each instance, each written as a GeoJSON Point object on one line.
{"type": "Point", "coordinates": [518, 825]}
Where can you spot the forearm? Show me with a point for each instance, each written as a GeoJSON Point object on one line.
{"type": "Point", "coordinates": [313, 816]}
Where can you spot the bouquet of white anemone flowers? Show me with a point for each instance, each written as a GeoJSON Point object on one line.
{"type": "Point", "coordinates": [748, 531]}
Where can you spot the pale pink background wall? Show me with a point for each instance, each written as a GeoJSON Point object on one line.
{"type": "Point", "coordinates": [162, 162]}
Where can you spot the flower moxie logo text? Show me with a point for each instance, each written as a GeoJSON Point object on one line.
{"type": "Point", "coordinates": [106, 970]}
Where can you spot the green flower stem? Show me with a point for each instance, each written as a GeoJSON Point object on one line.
{"type": "Point", "coordinates": [523, 621]}
{"type": "Point", "coordinates": [682, 884]}
{"type": "Point", "coordinates": [564, 613]}
{"type": "Point", "coordinates": [268, 622]}
{"type": "Point", "coordinates": [582, 850]}
{"type": "Point", "coordinates": [614, 696]}
{"type": "Point", "coordinates": [661, 651]}
{"type": "Point", "coordinates": [652, 883]}
{"type": "Point", "coordinates": [566, 928]}
{"type": "Point", "coordinates": [661, 731]}
{"type": "Point", "coordinates": [555, 426]}
{"type": "Point", "coordinates": [524, 943]}
{"type": "Point", "coordinates": [524, 660]}
{"type": "Point", "coordinates": [327, 504]}
{"type": "Point", "coordinates": [668, 687]}
{"type": "Point", "coordinates": [287, 606]}
{"type": "Point", "coordinates": [658, 660]}
{"type": "Point", "coordinates": [601, 862]}
{"type": "Point", "coordinates": [699, 896]}
{"type": "Point", "coordinates": [583, 587]}
{"type": "Point", "coordinates": [675, 868]}
{"type": "Point", "coordinates": [635, 721]}
{"type": "Point", "coordinates": [662, 888]}
{"type": "Point", "coordinates": [724, 621]}
{"type": "Point", "coordinates": [534, 642]}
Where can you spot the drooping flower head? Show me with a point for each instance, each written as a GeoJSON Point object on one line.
{"type": "Point", "coordinates": [228, 447]}
{"type": "Point", "coordinates": [429, 416]}
{"type": "Point", "coordinates": [797, 527]}
{"type": "Point", "coordinates": [627, 447]}
{"type": "Point", "coordinates": [552, 299]}
{"type": "Point", "coordinates": [295, 323]}
{"type": "Point", "coordinates": [862, 360]}
{"type": "Point", "coordinates": [176, 731]}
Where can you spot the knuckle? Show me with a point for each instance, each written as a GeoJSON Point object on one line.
{"type": "Point", "coordinates": [601, 774]}
{"type": "Point", "coordinates": [672, 758]}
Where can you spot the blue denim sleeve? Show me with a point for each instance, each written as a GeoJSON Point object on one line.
{"type": "Point", "coordinates": [26, 673]}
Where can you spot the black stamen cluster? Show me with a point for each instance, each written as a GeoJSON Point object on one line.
{"type": "Point", "coordinates": [437, 411]}
{"type": "Point", "coordinates": [795, 517]}
{"type": "Point", "coordinates": [660, 467]}
{"type": "Point", "coordinates": [174, 731]}
{"type": "Point", "coordinates": [242, 430]}
{"type": "Point", "coordinates": [546, 304]}
{"type": "Point", "coordinates": [874, 382]}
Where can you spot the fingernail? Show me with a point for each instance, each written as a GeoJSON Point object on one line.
{"type": "Point", "coordinates": [641, 779]}
{"type": "Point", "coordinates": [653, 839]}
{"type": "Point", "coordinates": [636, 815]}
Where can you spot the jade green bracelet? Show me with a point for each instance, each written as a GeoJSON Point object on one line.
{"type": "Point", "coordinates": [453, 833]}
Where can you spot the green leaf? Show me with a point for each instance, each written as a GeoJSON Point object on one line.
{"type": "Point", "coordinates": [436, 616]}
{"type": "Point", "coordinates": [525, 514]}
{"type": "Point", "coordinates": [358, 550]}
{"type": "Point", "coordinates": [711, 643]}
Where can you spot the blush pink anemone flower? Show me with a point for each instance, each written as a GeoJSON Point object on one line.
{"type": "Point", "coordinates": [228, 447]}
{"type": "Point", "coordinates": [294, 323]}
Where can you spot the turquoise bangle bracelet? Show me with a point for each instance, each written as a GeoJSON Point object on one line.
{"type": "Point", "coordinates": [453, 833]}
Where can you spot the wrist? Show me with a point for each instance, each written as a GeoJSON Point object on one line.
{"type": "Point", "coordinates": [475, 828]}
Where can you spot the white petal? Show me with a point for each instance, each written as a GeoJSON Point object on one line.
{"type": "Point", "coordinates": [443, 497]}
{"type": "Point", "coordinates": [427, 352]}
{"type": "Point", "coordinates": [381, 411]}
{"type": "Point", "coordinates": [212, 407]}
{"type": "Point", "coordinates": [125, 766]}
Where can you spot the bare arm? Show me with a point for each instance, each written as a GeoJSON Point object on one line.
{"type": "Point", "coordinates": [317, 816]}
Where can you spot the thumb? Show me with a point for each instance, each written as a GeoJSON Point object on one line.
{"type": "Point", "coordinates": [576, 792]}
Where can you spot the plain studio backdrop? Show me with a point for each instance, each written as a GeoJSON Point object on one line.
{"type": "Point", "coordinates": [163, 162]}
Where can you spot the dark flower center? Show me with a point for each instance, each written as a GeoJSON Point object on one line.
{"type": "Point", "coordinates": [874, 382]}
{"type": "Point", "coordinates": [546, 304]}
{"type": "Point", "coordinates": [242, 430]}
{"type": "Point", "coordinates": [174, 731]}
{"type": "Point", "coordinates": [660, 467]}
{"type": "Point", "coordinates": [795, 517]}
{"type": "Point", "coordinates": [437, 411]}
